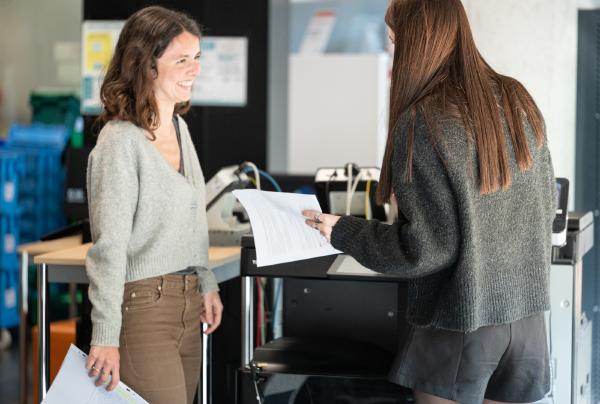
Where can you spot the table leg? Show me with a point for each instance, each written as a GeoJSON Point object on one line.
{"type": "Point", "coordinates": [72, 300]}
{"type": "Point", "coordinates": [24, 311]}
{"type": "Point", "coordinates": [43, 332]}
{"type": "Point", "coordinates": [205, 397]}
{"type": "Point", "coordinates": [247, 319]}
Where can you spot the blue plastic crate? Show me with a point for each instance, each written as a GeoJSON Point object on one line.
{"type": "Point", "coordinates": [9, 240]}
{"type": "Point", "coordinates": [9, 297]}
{"type": "Point", "coordinates": [29, 188]}
{"type": "Point", "coordinates": [28, 237]}
{"type": "Point", "coordinates": [40, 162]}
{"type": "Point", "coordinates": [41, 207]}
{"type": "Point", "coordinates": [9, 262]}
{"type": "Point", "coordinates": [32, 226]}
{"type": "Point", "coordinates": [55, 223]}
{"type": "Point", "coordinates": [39, 194]}
{"type": "Point", "coordinates": [33, 210]}
{"type": "Point", "coordinates": [9, 234]}
{"type": "Point", "coordinates": [11, 170]}
{"type": "Point", "coordinates": [38, 135]}
{"type": "Point", "coordinates": [45, 193]}
{"type": "Point", "coordinates": [28, 204]}
{"type": "Point", "coordinates": [42, 185]}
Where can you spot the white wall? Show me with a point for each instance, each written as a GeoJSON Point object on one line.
{"type": "Point", "coordinates": [39, 40]}
{"type": "Point", "coordinates": [278, 81]}
{"type": "Point", "coordinates": [535, 41]}
{"type": "Point", "coordinates": [333, 117]}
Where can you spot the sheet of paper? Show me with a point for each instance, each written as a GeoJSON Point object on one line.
{"type": "Point", "coordinates": [73, 385]}
{"type": "Point", "coordinates": [345, 265]}
{"type": "Point", "coordinates": [280, 232]}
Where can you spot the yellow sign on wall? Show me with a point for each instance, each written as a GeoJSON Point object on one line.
{"type": "Point", "coordinates": [99, 46]}
{"type": "Point", "coordinates": [99, 39]}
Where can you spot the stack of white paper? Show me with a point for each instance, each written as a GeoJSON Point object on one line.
{"type": "Point", "coordinates": [280, 232]}
{"type": "Point", "coordinates": [73, 385]}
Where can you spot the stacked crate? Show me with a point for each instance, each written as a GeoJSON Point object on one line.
{"type": "Point", "coordinates": [12, 168]}
{"type": "Point", "coordinates": [41, 192]}
{"type": "Point", "coordinates": [32, 187]}
{"type": "Point", "coordinates": [55, 114]}
{"type": "Point", "coordinates": [53, 107]}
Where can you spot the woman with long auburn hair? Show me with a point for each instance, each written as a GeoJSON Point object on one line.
{"type": "Point", "coordinates": [150, 286]}
{"type": "Point", "coordinates": [467, 162]}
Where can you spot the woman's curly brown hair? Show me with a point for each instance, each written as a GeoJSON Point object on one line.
{"type": "Point", "coordinates": [127, 90]}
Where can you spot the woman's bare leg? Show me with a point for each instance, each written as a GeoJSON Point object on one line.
{"type": "Point", "coordinates": [486, 401]}
{"type": "Point", "coordinates": [424, 398]}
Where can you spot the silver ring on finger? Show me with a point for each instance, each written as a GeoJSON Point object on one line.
{"type": "Point", "coordinates": [316, 226]}
{"type": "Point", "coordinates": [318, 218]}
{"type": "Point", "coordinates": [95, 369]}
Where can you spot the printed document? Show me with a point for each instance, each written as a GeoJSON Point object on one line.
{"type": "Point", "coordinates": [73, 385]}
{"type": "Point", "coordinates": [280, 232]}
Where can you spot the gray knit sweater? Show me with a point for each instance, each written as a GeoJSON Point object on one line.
{"type": "Point", "coordinates": [470, 260]}
{"type": "Point", "coordinates": [146, 220]}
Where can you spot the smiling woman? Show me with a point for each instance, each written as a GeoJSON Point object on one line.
{"type": "Point", "coordinates": [154, 40]}
{"type": "Point", "coordinates": [177, 68]}
{"type": "Point", "coordinates": [150, 285]}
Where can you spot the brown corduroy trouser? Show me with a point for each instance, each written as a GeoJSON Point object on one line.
{"type": "Point", "coordinates": [161, 342]}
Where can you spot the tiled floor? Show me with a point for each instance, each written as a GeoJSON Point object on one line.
{"type": "Point", "coordinates": [9, 372]}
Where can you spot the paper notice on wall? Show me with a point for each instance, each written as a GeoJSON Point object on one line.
{"type": "Point", "coordinates": [223, 74]}
{"type": "Point", "coordinates": [99, 39]}
{"type": "Point", "coordinates": [318, 32]}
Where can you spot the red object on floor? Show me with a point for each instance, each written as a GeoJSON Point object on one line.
{"type": "Point", "coordinates": [62, 335]}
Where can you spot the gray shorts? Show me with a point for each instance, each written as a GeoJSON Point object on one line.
{"type": "Point", "coordinates": [507, 362]}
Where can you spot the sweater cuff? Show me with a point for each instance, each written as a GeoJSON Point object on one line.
{"type": "Point", "coordinates": [105, 335]}
{"type": "Point", "coordinates": [208, 282]}
{"type": "Point", "coordinates": [343, 232]}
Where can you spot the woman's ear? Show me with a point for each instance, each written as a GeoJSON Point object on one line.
{"type": "Point", "coordinates": [153, 70]}
{"type": "Point", "coordinates": [391, 35]}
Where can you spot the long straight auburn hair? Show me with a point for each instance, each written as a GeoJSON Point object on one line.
{"type": "Point", "coordinates": [436, 66]}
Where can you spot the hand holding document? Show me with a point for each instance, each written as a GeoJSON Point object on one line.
{"type": "Point", "coordinates": [73, 385]}
{"type": "Point", "coordinates": [280, 232]}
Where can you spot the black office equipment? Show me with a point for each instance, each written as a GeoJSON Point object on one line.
{"type": "Point", "coordinates": [79, 227]}
{"type": "Point", "coordinates": [331, 185]}
{"type": "Point", "coordinates": [76, 206]}
{"type": "Point", "coordinates": [337, 332]}
{"type": "Point", "coordinates": [559, 226]}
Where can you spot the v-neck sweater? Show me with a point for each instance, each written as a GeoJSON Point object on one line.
{"type": "Point", "coordinates": [146, 220]}
{"type": "Point", "coordinates": [469, 259]}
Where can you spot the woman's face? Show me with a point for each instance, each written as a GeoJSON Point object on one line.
{"type": "Point", "coordinates": [177, 68]}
